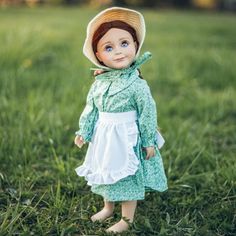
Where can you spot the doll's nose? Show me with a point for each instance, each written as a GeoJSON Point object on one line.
{"type": "Point", "coordinates": [117, 51]}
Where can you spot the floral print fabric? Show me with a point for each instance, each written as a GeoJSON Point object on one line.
{"type": "Point", "coordinates": [122, 91]}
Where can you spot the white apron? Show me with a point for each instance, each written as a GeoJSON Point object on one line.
{"type": "Point", "coordinates": [110, 155]}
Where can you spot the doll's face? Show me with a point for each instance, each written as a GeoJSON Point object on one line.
{"type": "Point", "coordinates": [116, 49]}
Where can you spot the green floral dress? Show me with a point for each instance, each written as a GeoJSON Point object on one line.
{"type": "Point", "coordinates": [122, 91]}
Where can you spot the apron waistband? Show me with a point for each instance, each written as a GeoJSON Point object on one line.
{"type": "Point", "coordinates": [118, 117]}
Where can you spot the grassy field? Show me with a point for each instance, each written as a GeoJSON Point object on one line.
{"type": "Point", "coordinates": [44, 79]}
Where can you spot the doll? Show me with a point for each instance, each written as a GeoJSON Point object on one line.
{"type": "Point", "coordinates": [119, 120]}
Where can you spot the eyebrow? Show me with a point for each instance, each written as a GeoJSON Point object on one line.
{"type": "Point", "coordinates": [123, 38]}
{"type": "Point", "coordinates": [108, 42]}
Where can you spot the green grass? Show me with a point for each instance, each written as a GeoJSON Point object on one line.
{"type": "Point", "coordinates": [44, 79]}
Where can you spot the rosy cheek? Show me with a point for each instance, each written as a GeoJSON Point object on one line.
{"type": "Point", "coordinates": [106, 57]}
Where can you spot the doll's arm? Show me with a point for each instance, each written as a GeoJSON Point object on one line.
{"type": "Point", "coordinates": [88, 118]}
{"type": "Point", "coordinates": [147, 114]}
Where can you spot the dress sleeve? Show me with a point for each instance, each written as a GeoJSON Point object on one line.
{"type": "Point", "coordinates": [147, 114]}
{"type": "Point", "coordinates": [88, 118]}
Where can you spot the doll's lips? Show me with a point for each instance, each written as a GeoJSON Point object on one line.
{"type": "Point", "coordinates": [119, 59]}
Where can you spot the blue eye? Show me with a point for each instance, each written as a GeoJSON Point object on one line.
{"type": "Point", "coordinates": [108, 48]}
{"type": "Point", "coordinates": [124, 44]}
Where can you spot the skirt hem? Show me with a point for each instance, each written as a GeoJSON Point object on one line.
{"type": "Point", "coordinates": [147, 190]}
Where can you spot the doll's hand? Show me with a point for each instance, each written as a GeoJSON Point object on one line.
{"type": "Point", "coordinates": [97, 72]}
{"type": "Point", "coordinates": [79, 141]}
{"type": "Point", "coordinates": [150, 152]}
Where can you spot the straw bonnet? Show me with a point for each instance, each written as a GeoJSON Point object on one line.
{"type": "Point", "coordinates": [131, 17]}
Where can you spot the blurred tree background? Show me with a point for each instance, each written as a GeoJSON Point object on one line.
{"type": "Point", "coordinates": [199, 4]}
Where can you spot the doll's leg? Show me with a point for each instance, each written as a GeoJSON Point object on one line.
{"type": "Point", "coordinates": [106, 212]}
{"type": "Point", "coordinates": [128, 210]}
